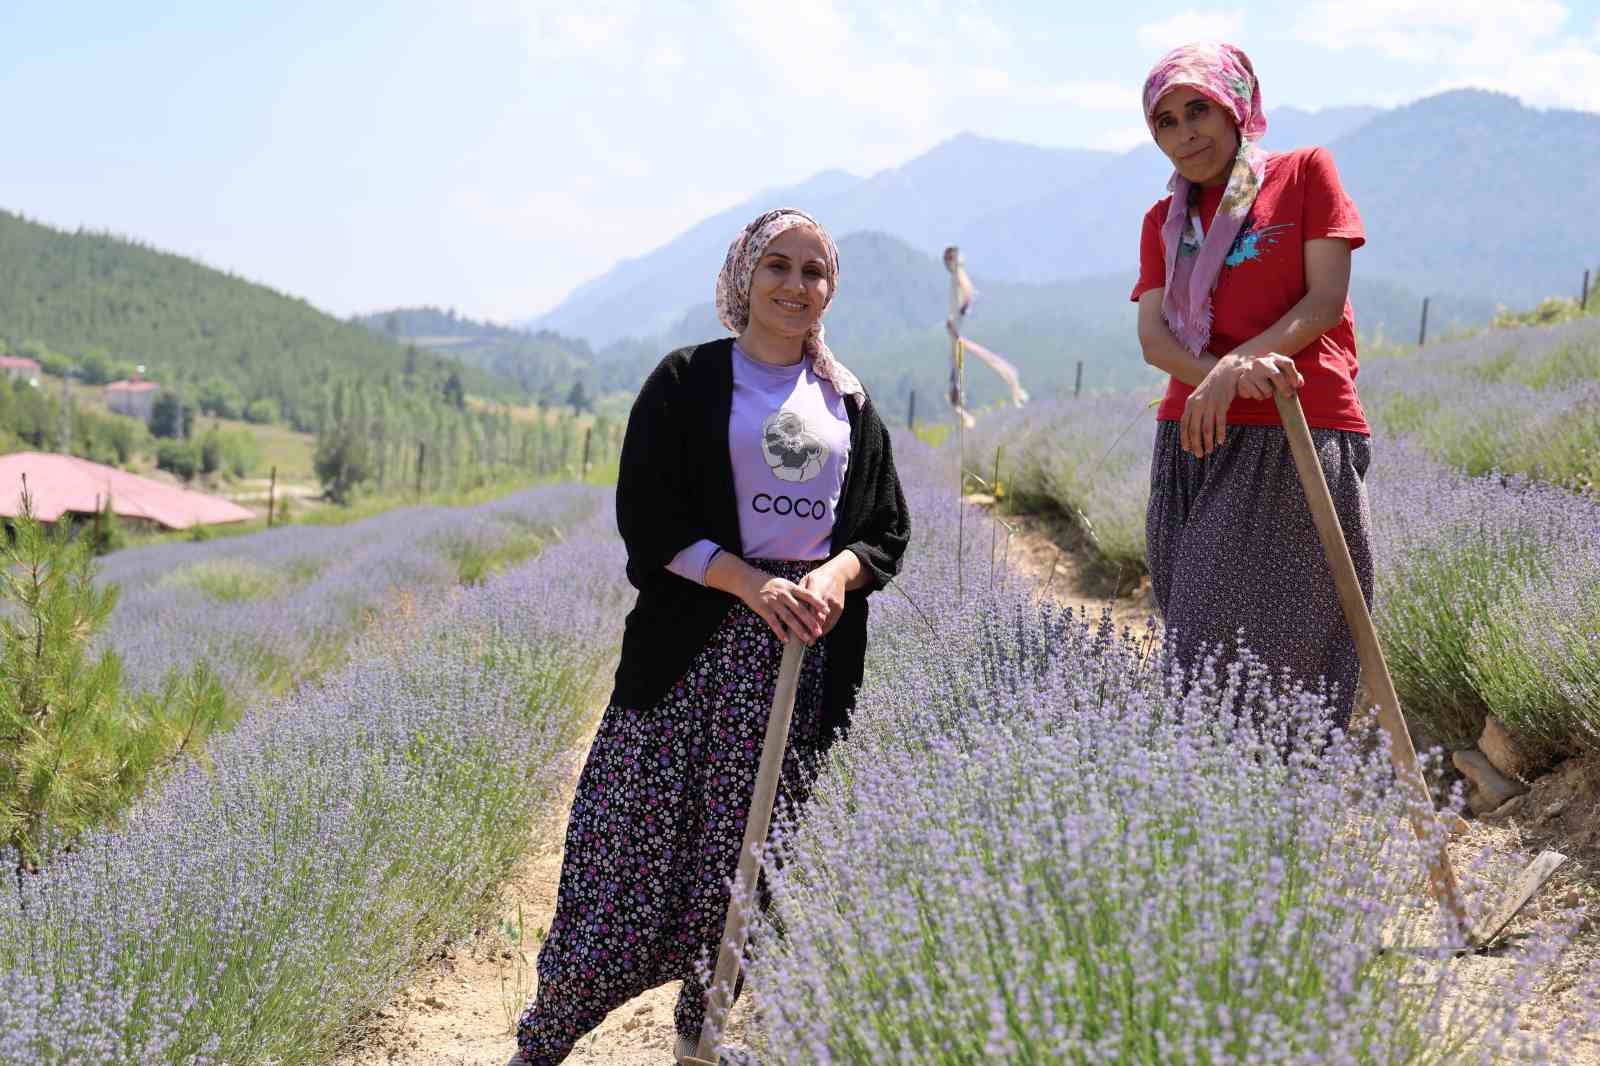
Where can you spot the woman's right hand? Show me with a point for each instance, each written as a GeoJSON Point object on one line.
{"type": "Point", "coordinates": [788, 609]}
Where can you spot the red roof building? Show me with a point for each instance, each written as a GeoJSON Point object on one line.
{"type": "Point", "coordinates": [135, 398]}
{"type": "Point", "coordinates": [64, 485]}
{"type": "Point", "coordinates": [17, 366]}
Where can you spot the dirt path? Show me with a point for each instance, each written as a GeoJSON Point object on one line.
{"type": "Point", "coordinates": [460, 1009]}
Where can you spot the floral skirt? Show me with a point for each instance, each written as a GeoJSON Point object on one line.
{"type": "Point", "coordinates": [1234, 556]}
{"type": "Point", "coordinates": [655, 832]}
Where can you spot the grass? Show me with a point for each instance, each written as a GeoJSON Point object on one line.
{"type": "Point", "coordinates": [238, 580]}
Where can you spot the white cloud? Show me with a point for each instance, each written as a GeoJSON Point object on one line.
{"type": "Point", "coordinates": [1195, 24]}
{"type": "Point", "coordinates": [1525, 48]}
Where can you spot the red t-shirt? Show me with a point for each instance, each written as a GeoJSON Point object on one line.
{"type": "Point", "coordinates": [1264, 275]}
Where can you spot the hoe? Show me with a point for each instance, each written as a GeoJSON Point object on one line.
{"type": "Point", "coordinates": [742, 902]}
{"type": "Point", "coordinates": [1441, 875]}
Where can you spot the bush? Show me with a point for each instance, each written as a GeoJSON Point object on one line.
{"type": "Point", "coordinates": [262, 412]}
{"type": "Point", "coordinates": [178, 457]}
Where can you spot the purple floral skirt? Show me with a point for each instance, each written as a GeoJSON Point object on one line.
{"type": "Point", "coordinates": [656, 828]}
{"type": "Point", "coordinates": [1234, 555]}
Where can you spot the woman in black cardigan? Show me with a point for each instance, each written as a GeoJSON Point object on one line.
{"type": "Point", "coordinates": [758, 500]}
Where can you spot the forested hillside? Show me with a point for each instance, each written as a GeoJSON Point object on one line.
{"type": "Point", "coordinates": [543, 364]}
{"type": "Point", "coordinates": [119, 303]}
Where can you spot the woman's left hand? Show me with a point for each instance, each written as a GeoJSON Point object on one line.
{"type": "Point", "coordinates": [829, 585]}
{"type": "Point", "coordinates": [1204, 427]}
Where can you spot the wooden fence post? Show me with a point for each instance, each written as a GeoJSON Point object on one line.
{"type": "Point", "coordinates": [422, 454]}
{"type": "Point", "coordinates": [588, 433]}
{"type": "Point", "coordinates": [1583, 301]}
{"type": "Point", "coordinates": [272, 495]}
{"type": "Point", "coordinates": [1422, 330]}
{"type": "Point", "coordinates": [1077, 384]}
{"type": "Point", "coordinates": [911, 412]}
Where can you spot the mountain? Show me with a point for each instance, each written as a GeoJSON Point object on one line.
{"type": "Point", "coordinates": [922, 203]}
{"type": "Point", "coordinates": [1093, 227]}
{"type": "Point", "coordinates": [1468, 197]}
{"type": "Point", "coordinates": [194, 327]}
{"type": "Point", "coordinates": [543, 363]}
{"type": "Point", "coordinates": [643, 296]}
{"type": "Point", "coordinates": [886, 324]}
{"type": "Point", "coordinates": [1471, 192]}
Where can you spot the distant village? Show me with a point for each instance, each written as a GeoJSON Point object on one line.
{"type": "Point", "coordinates": [65, 487]}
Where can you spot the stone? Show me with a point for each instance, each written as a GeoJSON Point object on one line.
{"type": "Point", "coordinates": [1510, 754]}
{"type": "Point", "coordinates": [1490, 788]}
{"type": "Point", "coordinates": [1509, 809]}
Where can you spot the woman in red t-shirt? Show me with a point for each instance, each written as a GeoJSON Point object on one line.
{"type": "Point", "coordinates": [1244, 275]}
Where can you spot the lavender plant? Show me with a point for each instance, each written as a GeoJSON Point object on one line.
{"type": "Point", "coordinates": [270, 609]}
{"type": "Point", "coordinates": [1086, 458]}
{"type": "Point", "coordinates": [1040, 845]}
{"type": "Point", "coordinates": [249, 913]}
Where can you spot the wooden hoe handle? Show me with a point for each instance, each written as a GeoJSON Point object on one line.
{"type": "Point", "coordinates": [1374, 669]}
{"type": "Point", "coordinates": [756, 825]}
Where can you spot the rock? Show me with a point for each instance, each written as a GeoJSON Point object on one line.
{"type": "Point", "coordinates": [1510, 754]}
{"type": "Point", "coordinates": [1490, 788]}
{"type": "Point", "coordinates": [1509, 809]}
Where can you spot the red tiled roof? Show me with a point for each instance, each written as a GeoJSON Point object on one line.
{"type": "Point", "coordinates": [18, 362]}
{"type": "Point", "coordinates": [61, 484]}
{"type": "Point", "coordinates": [131, 386]}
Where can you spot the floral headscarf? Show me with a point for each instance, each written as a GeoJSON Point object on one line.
{"type": "Point", "coordinates": [1222, 73]}
{"type": "Point", "coordinates": [733, 290]}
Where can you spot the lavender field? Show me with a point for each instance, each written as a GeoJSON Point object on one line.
{"type": "Point", "coordinates": [1042, 845]}
{"type": "Point", "coordinates": [1485, 518]}
{"type": "Point", "coordinates": [1039, 844]}
{"type": "Point", "coordinates": [250, 909]}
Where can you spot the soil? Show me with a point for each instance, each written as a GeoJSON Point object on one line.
{"type": "Point", "coordinates": [460, 1008]}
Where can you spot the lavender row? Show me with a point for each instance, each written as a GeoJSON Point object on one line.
{"type": "Point", "coordinates": [1039, 845]}
{"type": "Point", "coordinates": [266, 609]}
{"type": "Point", "coordinates": [1523, 401]}
{"type": "Point", "coordinates": [1488, 591]}
{"type": "Point", "coordinates": [249, 910]}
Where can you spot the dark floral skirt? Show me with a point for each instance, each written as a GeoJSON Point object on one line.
{"type": "Point", "coordinates": [654, 836]}
{"type": "Point", "coordinates": [1234, 555]}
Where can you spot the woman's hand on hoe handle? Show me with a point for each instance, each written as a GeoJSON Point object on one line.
{"type": "Point", "coordinates": [1268, 374]}
{"type": "Point", "coordinates": [831, 581]}
{"type": "Point", "coordinates": [787, 608]}
{"type": "Point", "coordinates": [1204, 426]}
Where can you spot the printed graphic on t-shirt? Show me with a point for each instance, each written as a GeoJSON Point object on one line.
{"type": "Point", "coordinates": [793, 452]}
{"type": "Point", "coordinates": [1252, 242]}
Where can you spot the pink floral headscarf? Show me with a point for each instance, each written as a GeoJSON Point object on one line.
{"type": "Point", "coordinates": [733, 290]}
{"type": "Point", "coordinates": [1223, 73]}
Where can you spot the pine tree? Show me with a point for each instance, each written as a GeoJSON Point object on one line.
{"type": "Point", "coordinates": [74, 749]}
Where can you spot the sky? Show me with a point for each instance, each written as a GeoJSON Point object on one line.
{"type": "Point", "coordinates": [489, 155]}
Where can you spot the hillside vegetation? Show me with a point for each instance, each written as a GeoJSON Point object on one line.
{"type": "Point", "coordinates": [93, 297]}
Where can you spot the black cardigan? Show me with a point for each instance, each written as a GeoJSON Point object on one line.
{"type": "Point", "coordinates": [675, 486]}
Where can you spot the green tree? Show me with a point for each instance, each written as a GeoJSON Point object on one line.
{"type": "Point", "coordinates": [74, 749]}
{"type": "Point", "coordinates": [166, 416]}
{"type": "Point", "coordinates": [454, 392]}
{"type": "Point", "coordinates": [179, 457]}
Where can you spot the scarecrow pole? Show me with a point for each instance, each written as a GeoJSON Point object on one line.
{"type": "Point", "coordinates": [960, 298]}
